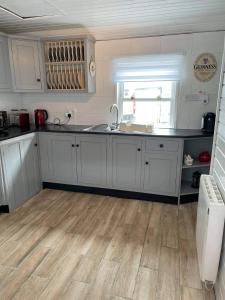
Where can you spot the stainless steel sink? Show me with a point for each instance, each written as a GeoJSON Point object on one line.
{"type": "Point", "coordinates": [99, 128]}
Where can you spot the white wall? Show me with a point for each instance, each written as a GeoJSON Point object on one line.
{"type": "Point", "coordinates": [92, 109]}
{"type": "Point", "coordinates": [10, 100]}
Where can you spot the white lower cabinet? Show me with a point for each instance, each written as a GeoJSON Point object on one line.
{"type": "Point", "coordinates": [160, 173]}
{"type": "Point", "coordinates": [126, 163]}
{"type": "Point", "coordinates": [20, 170]}
{"type": "Point", "coordinates": [14, 174]}
{"type": "Point", "coordinates": [91, 160]}
{"type": "Point", "coordinates": [30, 159]}
{"type": "Point", "coordinates": [58, 158]}
{"type": "Point", "coordinates": [2, 192]}
{"type": "Point", "coordinates": [116, 162]}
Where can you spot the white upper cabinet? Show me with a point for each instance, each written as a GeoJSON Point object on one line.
{"type": "Point", "coordinates": [5, 77]}
{"type": "Point", "coordinates": [70, 65]}
{"type": "Point", "coordinates": [26, 65]}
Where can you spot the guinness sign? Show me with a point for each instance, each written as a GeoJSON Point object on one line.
{"type": "Point", "coordinates": [205, 67]}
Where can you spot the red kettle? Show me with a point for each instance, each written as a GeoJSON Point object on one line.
{"type": "Point", "coordinates": [41, 115]}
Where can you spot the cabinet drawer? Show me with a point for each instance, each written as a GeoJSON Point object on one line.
{"type": "Point", "coordinates": [161, 145]}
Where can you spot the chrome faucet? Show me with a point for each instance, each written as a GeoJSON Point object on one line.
{"type": "Point", "coordinates": [112, 108]}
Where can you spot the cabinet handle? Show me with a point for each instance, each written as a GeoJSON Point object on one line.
{"type": "Point", "coordinates": [161, 145]}
{"type": "Point", "coordinates": [35, 144]}
{"type": "Point", "coordinates": [139, 149]}
{"type": "Point", "coordinates": [77, 145]}
{"type": "Point", "coordinates": [38, 80]}
{"type": "Point", "coordinates": [73, 145]}
{"type": "Point", "coordinates": [146, 162]}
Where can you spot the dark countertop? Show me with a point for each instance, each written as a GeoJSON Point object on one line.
{"type": "Point", "coordinates": [169, 133]}
{"type": "Point", "coordinates": [13, 132]}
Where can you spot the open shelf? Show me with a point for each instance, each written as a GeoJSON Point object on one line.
{"type": "Point", "coordinates": [187, 189]}
{"type": "Point", "coordinates": [197, 164]}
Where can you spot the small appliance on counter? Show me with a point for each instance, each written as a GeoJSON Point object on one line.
{"type": "Point", "coordinates": [3, 120]}
{"type": "Point", "coordinates": [14, 116]}
{"type": "Point", "coordinates": [24, 120]}
{"type": "Point", "coordinates": [208, 122]}
{"type": "Point", "coordinates": [41, 116]}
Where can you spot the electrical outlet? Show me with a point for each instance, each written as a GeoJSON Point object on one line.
{"type": "Point", "coordinates": [68, 114]}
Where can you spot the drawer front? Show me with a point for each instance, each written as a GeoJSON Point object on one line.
{"type": "Point", "coordinates": [162, 145]}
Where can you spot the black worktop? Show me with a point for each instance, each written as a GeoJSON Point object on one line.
{"type": "Point", "coordinates": [13, 132]}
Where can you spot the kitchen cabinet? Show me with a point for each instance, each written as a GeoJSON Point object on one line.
{"type": "Point", "coordinates": [126, 163]}
{"type": "Point", "coordinates": [70, 64]}
{"type": "Point", "coordinates": [92, 160]}
{"type": "Point", "coordinates": [20, 170]}
{"type": "Point", "coordinates": [26, 65]}
{"type": "Point", "coordinates": [2, 191]}
{"type": "Point", "coordinates": [14, 174]}
{"type": "Point", "coordinates": [58, 158]}
{"type": "Point", "coordinates": [109, 161]}
{"type": "Point", "coordinates": [5, 76]}
{"type": "Point", "coordinates": [29, 153]}
{"type": "Point", "coordinates": [160, 173]}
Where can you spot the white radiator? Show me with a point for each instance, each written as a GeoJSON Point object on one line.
{"type": "Point", "coordinates": [209, 228]}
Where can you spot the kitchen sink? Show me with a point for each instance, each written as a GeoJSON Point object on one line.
{"type": "Point", "coordinates": [123, 127]}
{"type": "Point", "coordinates": [100, 128]}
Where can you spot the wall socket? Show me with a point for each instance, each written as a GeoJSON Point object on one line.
{"type": "Point", "coordinates": [68, 114]}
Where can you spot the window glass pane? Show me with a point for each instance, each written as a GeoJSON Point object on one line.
{"type": "Point", "coordinates": [145, 90]}
{"type": "Point", "coordinates": [144, 112]}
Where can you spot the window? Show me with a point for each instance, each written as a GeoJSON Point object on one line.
{"type": "Point", "coordinates": [148, 102]}
{"type": "Point", "coordinates": [147, 88]}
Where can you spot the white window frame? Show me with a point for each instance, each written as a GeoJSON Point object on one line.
{"type": "Point", "coordinates": [173, 100]}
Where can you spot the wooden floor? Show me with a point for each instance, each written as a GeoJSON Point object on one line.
{"type": "Point", "coordinates": [63, 245]}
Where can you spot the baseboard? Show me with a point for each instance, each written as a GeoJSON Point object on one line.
{"type": "Point", "coordinates": [4, 209]}
{"type": "Point", "coordinates": [189, 198]}
{"type": "Point", "coordinates": [111, 192]}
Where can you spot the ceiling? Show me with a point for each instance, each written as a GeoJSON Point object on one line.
{"type": "Point", "coordinates": [107, 19]}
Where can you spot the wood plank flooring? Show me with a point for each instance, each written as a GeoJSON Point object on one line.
{"type": "Point", "coordinates": [64, 245]}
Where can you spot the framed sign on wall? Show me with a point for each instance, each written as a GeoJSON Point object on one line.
{"type": "Point", "coordinates": [205, 67]}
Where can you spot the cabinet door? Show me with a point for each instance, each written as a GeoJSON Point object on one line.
{"type": "Point", "coordinates": [2, 190]}
{"type": "Point", "coordinates": [160, 173]}
{"type": "Point", "coordinates": [14, 176]}
{"type": "Point", "coordinates": [92, 160]}
{"type": "Point", "coordinates": [29, 152]}
{"type": "Point", "coordinates": [25, 63]}
{"type": "Point", "coordinates": [126, 163]}
{"type": "Point", "coordinates": [5, 78]}
{"type": "Point", "coordinates": [58, 158]}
